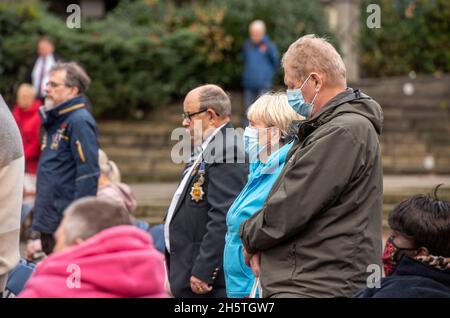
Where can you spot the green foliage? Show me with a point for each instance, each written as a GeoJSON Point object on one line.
{"type": "Point", "coordinates": [146, 53]}
{"type": "Point", "coordinates": [414, 36]}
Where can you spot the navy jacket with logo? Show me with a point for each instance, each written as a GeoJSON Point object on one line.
{"type": "Point", "coordinates": [68, 167]}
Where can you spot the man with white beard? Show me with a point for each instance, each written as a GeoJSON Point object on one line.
{"type": "Point", "coordinates": [68, 167]}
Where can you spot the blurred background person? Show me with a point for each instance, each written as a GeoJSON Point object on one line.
{"type": "Point", "coordinates": [26, 114]}
{"type": "Point", "coordinates": [38, 71]}
{"type": "Point", "coordinates": [110, 188]}
{"type": "Point", "coordinates": [267, 140]}
{"type": "Point", "coordinates": [12, 167]}
{"type": "Point", "coordinates": [113, 258]}
{"type": "Point", "coordinates": [261, 60]}
{"type": "Point", "coordinates": [416, 257]}
{"type": "Point", "coordinates": [68, 167]}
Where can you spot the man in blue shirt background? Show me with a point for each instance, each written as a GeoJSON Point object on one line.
{"type": "Point", "coordinates": [261, 60]}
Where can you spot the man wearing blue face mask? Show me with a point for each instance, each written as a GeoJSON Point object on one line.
{"type": "Point", "coordinates": [320, 226]}
{"type": "Point", "coordinates": [297, 101]}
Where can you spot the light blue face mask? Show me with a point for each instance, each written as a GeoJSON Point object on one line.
{"type": "Point", "coordinates": [297, 101]}
{"type": "Point", "coordinates": [251, 146]}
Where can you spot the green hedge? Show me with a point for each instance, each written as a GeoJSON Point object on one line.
{"type": "Point", "coordinates": [414, 36]}
{"type": "Point", "coordinates": [149, 53]}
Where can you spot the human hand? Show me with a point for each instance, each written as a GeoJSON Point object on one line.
{"type": "Point", "coordinates": [255, 264]}
{"type": "Point", "coordinates": [199, 287]}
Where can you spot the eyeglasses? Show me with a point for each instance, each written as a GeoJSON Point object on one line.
{"type": "Point", "coordinates": [188, 116]}
{"type": "Point", "coordinates": [54, 84]}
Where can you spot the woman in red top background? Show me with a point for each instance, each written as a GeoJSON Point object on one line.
{"type": "Point", "coordinates": [26, 114]}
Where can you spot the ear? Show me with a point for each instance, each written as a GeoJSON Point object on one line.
{"type": "Point", "coordinates": [74, 91]}
{"type": "Point", "coordinates": [78, 241]}
{"type": "Point", "coordinates": [212, 114]}
{"type": "Point", "coordinates": [317, 81]}
{"type": "Point", "coordinates": [422, 251]}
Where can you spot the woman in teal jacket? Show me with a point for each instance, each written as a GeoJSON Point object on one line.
{"type": "Point", "coordinates": [267, 143]}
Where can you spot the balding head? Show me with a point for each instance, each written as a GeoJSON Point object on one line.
{"type": "Point", "coordinates": [256, 31]}
{"type": "Point", "coordinates": [313, 65]}
{"type": "Point", "coordinates": [214, 97]}
{"type": "Point", "coordinates": [87, 217]}
{"type": "Point", "coordinates": [210, 104]}
{"type": "Point", "coordinates": [315, 54]}
{"type": "Point", "coordinates": [210, 96]}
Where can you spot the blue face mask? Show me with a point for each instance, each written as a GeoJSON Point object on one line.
{"type": "Point", "coordinates": [297, 101]}
{"type": "Point", "coordinates": [251, 146]}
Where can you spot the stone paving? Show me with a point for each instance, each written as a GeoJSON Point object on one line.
{"type": "Point", "coordinates": [161, 192]}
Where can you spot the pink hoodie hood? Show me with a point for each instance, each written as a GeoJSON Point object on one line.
{"type": "Point", "coordinates": [119, 193]}
{"type": "Point", "coordinates": [118, 262]}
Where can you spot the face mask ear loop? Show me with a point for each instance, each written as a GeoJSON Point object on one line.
{"type": "Point", "coordinates": [304, 82]}
{"type": "Point", "coordinates": [313, 100]}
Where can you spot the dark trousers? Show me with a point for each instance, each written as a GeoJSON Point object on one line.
{"type": "Point", "coordinates": [48, 243]}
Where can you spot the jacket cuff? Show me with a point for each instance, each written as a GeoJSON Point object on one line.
{"type": "Point", "coordinates": [207, 276]}
{"type": "Point", "coordinates": [245, 243]}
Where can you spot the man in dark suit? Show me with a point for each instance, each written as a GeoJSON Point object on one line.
{"type": "Point", "coordinates": [37, 72]}
{"type": "Point", "coordinates": [195, 224]}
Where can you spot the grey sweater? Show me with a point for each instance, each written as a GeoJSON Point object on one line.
{"type": "Point", "coordinates": [12, 166]}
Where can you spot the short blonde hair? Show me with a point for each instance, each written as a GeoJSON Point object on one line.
{"type": "Point", "coordinates": [273, 109]}
{"type": "Point", "coordinates": [314, 54]}
{"type": "Point", "coordinates": [108, 167]}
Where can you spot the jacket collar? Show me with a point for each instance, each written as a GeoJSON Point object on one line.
{"type": "Point", "coordinates": [412, 267]}
{"type": "Point", "coordinates": [50, 116]}
{"type": "Point", "coordinates": [274, 161]}
{"type": "Point", "coordinates": [329, 111]}
{"type": "Point", "coordinates": [217, 139]}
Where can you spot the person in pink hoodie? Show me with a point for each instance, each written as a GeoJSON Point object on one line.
{"type": "Point", "coordinates": [111, 189]}
{"type": "Point", "coordinates": [99, 254]}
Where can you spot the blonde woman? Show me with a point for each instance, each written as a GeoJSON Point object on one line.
{"type": "Point", "coordinates": [267, 141]}
{"type": "Point", "coordinates": [110, 187]}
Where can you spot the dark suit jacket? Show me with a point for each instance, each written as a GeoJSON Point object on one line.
{"type": "Point", "coordinates": [197, 229]}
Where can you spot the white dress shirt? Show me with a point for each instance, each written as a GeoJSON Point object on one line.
{"type": "Point", "coordinates": [36, 74]}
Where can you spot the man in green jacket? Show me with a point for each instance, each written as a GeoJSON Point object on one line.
{"type": "Point", "coordinates": [320, 227]}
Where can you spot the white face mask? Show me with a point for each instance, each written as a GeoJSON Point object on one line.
{"type": "Point", "coordinates": [251, 143]}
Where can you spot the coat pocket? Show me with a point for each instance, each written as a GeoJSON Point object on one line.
{"type": "Point", "coordinates": [234, 262]}
{"type": "Point", "coordinates": [239, 277]}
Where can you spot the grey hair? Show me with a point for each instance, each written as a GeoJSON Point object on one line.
{"type": "Point", "coordinates": [315, 54]}
{"type": "Point", "coordinates": [212, 96]}
{"type": "Point", "coordinates": [76, 76]}
{"type": "Point", "coordinates": [89, 216]}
